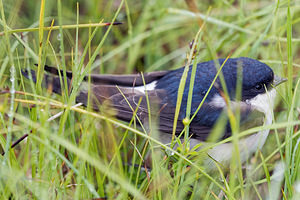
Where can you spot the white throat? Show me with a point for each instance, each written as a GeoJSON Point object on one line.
{"type": "Point", "coordinates": [263, 102]}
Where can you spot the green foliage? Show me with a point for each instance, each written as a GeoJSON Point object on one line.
{"type": "Point", "coordinates": [76, 153]}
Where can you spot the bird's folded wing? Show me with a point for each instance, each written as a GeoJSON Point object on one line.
{"type": "Point", "coordinates": [125, 100]}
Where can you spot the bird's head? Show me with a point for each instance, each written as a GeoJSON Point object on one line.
{"type": "Point", "coordinates": [256, 78]}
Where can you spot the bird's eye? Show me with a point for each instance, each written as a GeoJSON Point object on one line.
{"type": "Point", "coordinates": [259, 86]}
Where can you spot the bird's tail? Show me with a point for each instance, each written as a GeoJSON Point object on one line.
{"type": "Point", "coordinates": [51, 80]}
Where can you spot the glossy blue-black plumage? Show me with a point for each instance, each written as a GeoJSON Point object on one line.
{"type": "Point", "coordinates": [255, 74]}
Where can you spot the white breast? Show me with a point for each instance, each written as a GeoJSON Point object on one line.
{"type": "Point", "coordinates": [247, 146]}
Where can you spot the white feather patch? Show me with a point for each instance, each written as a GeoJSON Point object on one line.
{"type": "Point", "coordinates": [149, 86]}
{"type": "Point", "coordinates": [217, 101]}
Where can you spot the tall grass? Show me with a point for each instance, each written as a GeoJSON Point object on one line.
{"type": "Point", "coordinates": [74, 152]}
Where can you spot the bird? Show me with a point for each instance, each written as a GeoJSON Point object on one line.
{"type": "Point", "coordinates": [127, 93]}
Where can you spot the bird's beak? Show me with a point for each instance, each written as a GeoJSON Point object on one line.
{"type": "Point", "coordinates": [278, 80]}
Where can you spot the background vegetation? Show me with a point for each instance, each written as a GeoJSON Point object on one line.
{"type": "Point", "coordinates": [74, 153]}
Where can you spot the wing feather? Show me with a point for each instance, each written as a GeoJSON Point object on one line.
{"type": "Point", "coordinates": [160, 106]}
{"type": "Point", "coordinates": [112, 79]}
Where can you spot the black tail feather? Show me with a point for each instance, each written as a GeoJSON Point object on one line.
{"type": "Point", "coordinates": [49, 81]}
{"type": "Point", "coordinates": [54, 71]}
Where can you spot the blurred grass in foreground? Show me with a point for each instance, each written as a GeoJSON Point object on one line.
{"type": "Point", "coordinates": [81, 154]}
